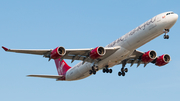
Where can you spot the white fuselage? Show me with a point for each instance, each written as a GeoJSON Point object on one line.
{"type": "Point", "coordinates": [127, 43]}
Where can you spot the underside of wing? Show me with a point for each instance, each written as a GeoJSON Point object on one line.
{"type": "Point", "coordinates": [133, 58]}
{"type": "Point", "coordinates": [86, 55]}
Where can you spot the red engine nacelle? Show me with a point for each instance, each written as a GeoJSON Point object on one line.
{"type": "Point", "coordinates": [162, 60]}
{"type": "Point", "coordinates": [97, 52]}
{"type": "Point", "coordinates": [58, 53]}
{"type": "Point", "coordinates": [148, 56]}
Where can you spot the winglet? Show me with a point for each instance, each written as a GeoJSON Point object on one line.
{"type": "Point", "coordinates": [6, 49]}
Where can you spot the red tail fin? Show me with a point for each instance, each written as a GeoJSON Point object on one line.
{"type": "Point", "coordinates": [62, 66]}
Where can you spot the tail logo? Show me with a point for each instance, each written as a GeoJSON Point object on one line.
{"type": "Point", "coordinates": [60, 67]}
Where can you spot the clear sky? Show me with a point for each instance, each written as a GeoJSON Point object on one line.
{"type": "Point", "coordinates": [46, 24]}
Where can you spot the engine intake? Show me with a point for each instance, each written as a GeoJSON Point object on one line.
{"type": "Point", "coordinates": [58, 53]}
{"type": "Point", "coordinates": [97, 52]}
{"type": "Point", "coordinates": [163, 60]}
{"type": "Point", "coordinates": [148, 56]}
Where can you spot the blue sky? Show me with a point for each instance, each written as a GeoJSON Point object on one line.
{"type": "Point", "coordinates": [45, 24]}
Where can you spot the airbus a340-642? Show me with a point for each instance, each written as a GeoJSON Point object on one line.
{"type": "Point", "coordinates": [121, 51]}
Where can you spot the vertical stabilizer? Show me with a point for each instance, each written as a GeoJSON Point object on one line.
{"type": "Point", "coordinates": [61, 66]}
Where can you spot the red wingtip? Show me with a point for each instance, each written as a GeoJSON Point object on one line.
{"type": "Point", "coordinates": [6, 49]}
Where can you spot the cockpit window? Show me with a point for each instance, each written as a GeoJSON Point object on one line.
{"type": "Point", "coordinates": [170, 13]}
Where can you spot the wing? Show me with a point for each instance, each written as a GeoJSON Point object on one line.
{"type": "Point", "coordinates": [133, 58]}
{"type": "Point", "coordinates": [47, 76]}
{"type": "Point", "coordinates": [73, 54]}
{"type": "Point", "coordinates": [29, 51]}
{"type": "Point", "coordinates": [83, 54]}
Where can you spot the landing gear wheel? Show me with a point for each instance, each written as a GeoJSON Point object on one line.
{"type": "Point", "coordinates": [104, 70]}
{"type": "Point", "coordinates": [110, 70]}
{"type": "Point", "coordinates": [166, 36]}
{"type": "Point", "coordinates": [107, 70]}
{"type": "Point", "coordinates": [96, 68]}
{"type": "Point", "coordinates": [119, 73]}
{"type": "Point", "coordinates": [126, 70]}
{"type": "Point", "coordinates": [123, 73]}
{"type": "Point", "coordinates": [94, 72]}
{"type": "Point", "coordinates": [167, 30]}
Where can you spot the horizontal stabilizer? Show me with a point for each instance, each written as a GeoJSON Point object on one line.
{"type": "Point", "coordinates": [47, 76]}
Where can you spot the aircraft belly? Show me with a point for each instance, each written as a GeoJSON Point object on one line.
{"type": "Point", "coordinates": [72, 74]}
{"type": "Point", "coordinates": [84, 70]}
{"type": "Point", "coordinates": [79, 72]}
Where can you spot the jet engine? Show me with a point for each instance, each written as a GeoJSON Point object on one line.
{"type": "Point", "coordinates": [148, 56]}
{"type": "Point", "coordinates": [97, 52]}
{"type": "Point", "coordinates": [162, 60]}
{"type": "Point", "coordinates": [58, 53]}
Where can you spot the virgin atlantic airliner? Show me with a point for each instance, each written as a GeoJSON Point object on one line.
{"type": "Point", "coordinates": [121, 51]}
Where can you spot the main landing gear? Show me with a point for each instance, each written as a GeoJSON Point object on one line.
{"type": "Point", "coordinates": [123, 72]}
{"type": "Point", "coordinates": [106, 70]}
{"type": "Point", "coordinates": [93, 70]}
{"type": "Point", "coordinates": [166, 36]}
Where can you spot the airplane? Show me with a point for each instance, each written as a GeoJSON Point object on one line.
{"type": "Point", "coordinates": [121, 51]}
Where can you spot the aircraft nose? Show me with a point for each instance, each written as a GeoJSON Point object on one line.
{"type": "Point", "coordinates": [174, 18]}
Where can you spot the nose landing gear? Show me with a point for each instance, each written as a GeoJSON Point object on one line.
{"type": "Point", "coordinates": [166, 31]}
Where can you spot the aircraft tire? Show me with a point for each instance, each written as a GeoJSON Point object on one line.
{"type": "Point", "coordinates": [104, 70]}
{"type": "Point", "coordinates": [107, 70]}
{"type": "Point", "coordinates": [96, 68]}
{"type": "Point", "coordinates": [110, 70]}
{"type": "Point", "coordinates": [119, 73]}
{"type": "Point", "coordinates": [123, 74]}
{"type": "Point", "coordinates": [126, 70]}
{"type": "Point", "coordinates": [94, 72]}
{"type": "Point", "coordinates": [164, 36]}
